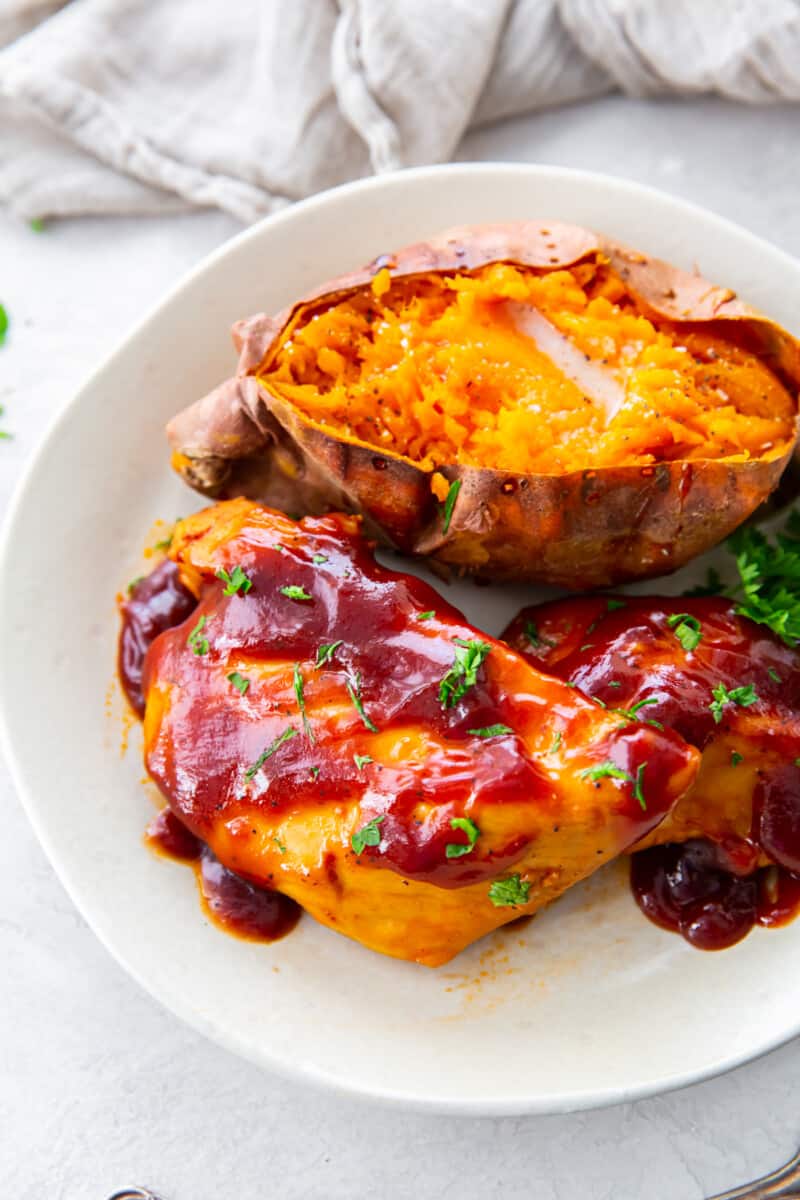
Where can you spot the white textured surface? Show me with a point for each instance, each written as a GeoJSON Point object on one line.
{"type": "Point", "coordinates": [98, 1087]}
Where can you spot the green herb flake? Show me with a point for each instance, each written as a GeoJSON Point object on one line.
{"type": "Point", "coordinates": [463, 674]}
{"type": "Point", "coordinates": [534, 637]}
{"type": "Point", "coordinates": [367, 835]}
{"type": "Point", "coordinates": [797, 762]}
{"type": "Point", "coordinates": [271, 749]}
{"type": "Point", "coordinates": [164, 544]}
{"type": "Point", "coordinates": [508, 893]}
{"type": "Point", "coordinates": [314, 772]}
{"type": "Point", "coordinates": [134, 582]}
{"type": "Point", "coordinates": [638, 787]}
{"type": "Point", "coordinates": [556, 742]}
{"type": "Point", "coordinates": [426, 616]}
{"type": "Point", "coordinates": [240, 682]}
{"type": "Point", "coordinates": [354, 692]}
{"type": "Point", "coordinates": [362, 760]}
{"type": "Point", "coordinates": [319, 559]}
{"type": "Point", "coordinates": [197, 643]}
{"type": "Point", "coordinates": [459, 849]}
{"type": "Point", "coordinates": [36, 224]}
{"type": "Point", "coordinates": [686, 629]}
{"type": "Point", "coordinates": [615, 683]}
{"type": "Point", "coordinates": [295, 593]}
{"type": "Point", "coordinates": [736, 758]}
{"type": "Point", "coordinates": [491, 731]}
{"type": "Point", "coordinates": [3, 324]}
{"type": "Point", "coordinates": [279, 844]}
{"type": "Point", "coordinates": [586, 646]}
{"type": "Point", "coordinates": [606, 770]}
{"type": "Point", "coordinates": [774, 676]}
{"type": "Point", "coordinates": [297, 683]}
{"type": "Point", "coordinates": [326, 651]}
{"type": "Point", "coordinates": [632, 713]}
{"type": "Point", "coordinates": [237, 581]}
{"type": "Point", "coordinates": [769, 574]}
{"type": "Point", "coordinates": [743, 696]}
{"type": "Point", "coordinates": [613, 604]}
{"type": "Point", "coordinates": [449, 504]}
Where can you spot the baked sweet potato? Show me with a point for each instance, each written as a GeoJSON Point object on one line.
{"type": "Point", "coordinates": [519, 401]}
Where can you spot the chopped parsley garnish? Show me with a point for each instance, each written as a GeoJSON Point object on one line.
{"type": "Point", "coordinates": [240, 682]}
{"type": "Point", "coordinates": [4, 434]}
{"type": "Point", "coordinates": [36, 224]}
{"type": "Point", "coordinates": [586, 646]}
{"type": "Point", "coordinates": [770, 578]}
{"type": "Point", "coordinates": [279, 844]}
{"type": "Point", "coordinates": [314, 771]}
{"type": "Point", "coordinates": [459, 849]}
{"type": "Point", "coordinates": [294, 592]}
{"type": "Point", "coordinates": [3, 324]}
{"type": "Point", "coordinates": [797, 762]}
{"type": "Point", "coordinates": [613, 604]}
{"type": "Point", "coordinates": [505, 893]}
{"type": "Point", "coordinates": [362, 760]}
{"type": "Point", "coordinates": [318, 559]}
{"type": "Point", "coordinates": [426, 616]}
{"type": "Point", "coordinates": [450, 503]}
{"type": "Point", "coordinates": [598, 701]}
{"type": "Point", "coordinates": [615, 683]}
{"type": "Point", "coordinates": [196, 641]}
{"type": "Point", "coordinates": [743, 696]}
{"type": "Point", "coordinates": [464, 672]}
{"type": "Point", "coordinates": [555, 743]}
{"type": "Point", "coordinates": [134, 582]}
{"type": "Point", "coordinates": [286, 736]}
{"type": "Point", "coordinates": [686, 629]}
{"type": "Point", "coordinates": [534, 637]}
{"type": "Point", "coordinates": [164, 544]}
{"type": "Point", "coordinates": [774, 676]}
{"type": "Point", "coordinates": [237, 581]}
{"type": "Point", "coordinates": [632, 713]}
{"type": "Point", "coordinates": [367, 835]}
{"type": "Point", "coordinates": [736, 758]}
{"type": "Point", "coordinates": [610, 770]}
{"type": "Point", "coordinates": [491, 731]}
{"type": "Point", "coordinates": [297, 682]}
{"type": "Point", "coordinates": [354, 692]}
{"type": "Point", "coordinates": [326, 651]}
{"type": "Point", "coordinates": [606, 770]}
{"type": "Point", "coordinates": [638, 792]}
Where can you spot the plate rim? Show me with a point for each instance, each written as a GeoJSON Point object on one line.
{"type": "Point", "coordinates": [285, 1066]}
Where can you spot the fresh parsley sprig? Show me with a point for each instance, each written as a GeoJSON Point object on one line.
{"type": "Point", "coordinates": [743, 696]}
{"type": "Point", "coordinates": [463, 674]}
{"type": "Point", "coordinates": [459, 849]}
{"type": "Point", "coordinates": [271, 749]}
{"type": "Point", "coordinates": [234, 582]}
{"type": "Point", "coordinates": [367, 835]}
{"type": "Point", "coordinates": [506, 893]}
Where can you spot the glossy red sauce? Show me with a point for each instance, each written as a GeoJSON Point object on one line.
{"type": "Point", "coordinates": [235, 904]}
{"type": "Point", "coordinates": [209, 737]}
{"type": "Point", "coordinates": [154, 603]}
{"type": "Point", "coordinates": [712, 894]}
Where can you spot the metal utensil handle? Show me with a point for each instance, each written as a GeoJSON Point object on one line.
{"type": "Point", "coordinates": [783, 1184]}
{"type": "Point", "coordinates": [135, 1193]}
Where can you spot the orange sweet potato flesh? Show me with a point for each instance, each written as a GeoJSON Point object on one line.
{"type": "Point", "coordinates": [596, 415]}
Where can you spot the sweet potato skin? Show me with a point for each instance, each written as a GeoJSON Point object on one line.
{"type": "Point", "coordinates": [585, 529]}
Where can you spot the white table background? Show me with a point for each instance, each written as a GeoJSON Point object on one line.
{"type": "Point", "coordinates": [98, 1086]}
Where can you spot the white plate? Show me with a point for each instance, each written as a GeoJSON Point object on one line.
{"type": "Point", "coordinates": [587, 1005]}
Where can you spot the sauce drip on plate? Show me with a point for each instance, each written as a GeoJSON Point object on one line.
{"type": "Point", "coordinates": [233, 903]}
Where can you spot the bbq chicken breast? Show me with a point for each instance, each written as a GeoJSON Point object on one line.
{"type": "Point", "coordinates": [730, 688]}
{"type": "Point", "coordinates": [337, 732]}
